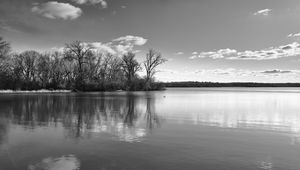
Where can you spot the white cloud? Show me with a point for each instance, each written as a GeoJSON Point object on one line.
{"type": "Point", "coordinates": [180, 53]}
{"type": "Point", "coordinates": [4, 26]}
{"type": "Point", "coordinates": [66, 162]}
{"type": "Point", "coordinates": [103, 3]}
{"type": "Point", "coordinates": [288, 50]}
{"type": "Point", "coordinates": [294, 35]}
{"type": "Point", "coordinates": [129, 39]}
{"type": "Point", "coordinates": [54, 10]}
{"type": "Point", "coordinates": [102, 47]}
{"type": "Point", "coordinates": [277, 71]}
{"type": "Point", "coordinates": [263, 12]}
{"type": "Point", "coordinates": [229, 75]}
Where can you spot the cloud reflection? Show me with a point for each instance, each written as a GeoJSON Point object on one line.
{"type": "Point", "coordinates": [69, 162]}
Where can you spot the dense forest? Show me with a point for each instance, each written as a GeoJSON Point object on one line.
{"type": "Point", "coordinates": [80, 67]}
{"type": "Point", "coordinates": [232, 84]}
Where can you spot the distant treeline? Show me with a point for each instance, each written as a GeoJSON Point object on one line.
{"type": "Point", "coordinates": [233, 84]}
{"type": "Point", "coordinates": [80, 67]}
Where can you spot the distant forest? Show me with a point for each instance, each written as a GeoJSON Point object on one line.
{"type": "Point", "coordinates": [79, 67]}
{"type": "Point", "coordinates": [233, 84]}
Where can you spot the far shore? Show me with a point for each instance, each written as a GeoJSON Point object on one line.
{"type": "Point", "coordinates": [187, 84]}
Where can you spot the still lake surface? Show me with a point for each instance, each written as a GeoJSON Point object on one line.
{"type": "Point", "coordinates": [176, 129]}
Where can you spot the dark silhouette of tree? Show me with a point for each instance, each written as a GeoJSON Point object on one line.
{"type": "Point", "coordinates": [4, 48]}
{"type": "Point", "coordinates": [93, 64]}
{"type": "Point", "coordinates": [6, 79]}
{"type": "Point", "coordinates": [44, 69]}
{"type": "Point", "coordinates": [26, 64]}
{"type": "Point", "coordinates": [80, 67]}
{"type": "Point", "coordinates": [153, 59]}
{"type": "Point", "coordinates": [130, 67]}
{"type": "Point", "coordinates": [57, 77]}
{"type": "Point", "coordinates": [78, 51]}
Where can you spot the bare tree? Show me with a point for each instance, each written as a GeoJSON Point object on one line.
{"type": "Point", "coordinates": [6, 78]}
{"type": "Point", "coordinates": [130, 67]}
{"type": "Point", "coordinates": [43, 69]}
{"type": "Point", "coordinates": [153, 59]}
{"type": "Point", "coordinates": [4, 48]}
{"type": "Point", "coordinates": [26, 65]}
{"type": "Point", "coordinates": [115, 71]}
{"type": "Point", "coordinates": [104, 68]}
{"type": "Point", "coordinates": [56, 70]}
{"type": "Point", "coordinates": [93, 63]}
{"type": "Point", "coordinates": [78, 51]}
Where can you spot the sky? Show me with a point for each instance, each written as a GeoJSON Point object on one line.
{"type": "Point", "coordinates": [203, 40]}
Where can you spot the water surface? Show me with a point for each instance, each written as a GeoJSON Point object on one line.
{"type": "Point", "coordinates": [192, 128]}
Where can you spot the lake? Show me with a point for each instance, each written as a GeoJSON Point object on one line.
{"type": "Point", "coordinates": [176, 129]}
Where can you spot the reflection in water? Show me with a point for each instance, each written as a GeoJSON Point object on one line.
{"type": "Point", "coordinates": [129, 116]}
{"type": "Point", "coordinates": [263, 110]}
{"type": "Point", "coordinates": [151, 130]}
{"type": "Point", "coordinates": [153, 120]}
{"type": "Point", "coordinates": [84, 114]}
{"type": "Point", "coordinates": [266, 164]}
{"type": "Point", "coordinates": [69, 162]}
{"type": "Point", "coordinates": [3, 130]}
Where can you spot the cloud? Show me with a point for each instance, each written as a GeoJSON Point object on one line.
{"type": "Point", "coordinates": [5, 27]}
{"type": "Point", "coordinates": [263, 12]}
{"type": "Point", "coordinates": [57, 10]}
{"type": "Point", "coordinates": [243, 72]}
{"type": "Point", "coordinates": [288, 50]}
{"type": "Point", "coordinates": [129, 39]}
{"type": "Point", "coordinates": [103, 3]}
{"type": "Point", "coordinates": [294, 35]}
{"type": "Point", "coordinates": [228, 75]}
{"type": "Point", "coordinates": [277, 71]}
{"type": "Point", "coordinates": [106, 48]}
{"type": "Point", "coordinates": [68, 162]}
{"type": "Point", "coordinates": [180, 53]}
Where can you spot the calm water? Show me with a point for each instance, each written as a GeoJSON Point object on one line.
{"type": "Point", "coordinates": [178, 129]}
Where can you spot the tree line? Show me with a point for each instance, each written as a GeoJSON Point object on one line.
{"type": "Point", "coordinates": [79, 67]}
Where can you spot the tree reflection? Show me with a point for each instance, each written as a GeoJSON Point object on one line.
{"type": "Point", "coordinates": [3, 131]}
{"type": "Point", "coordinates": [83, 114]}
{"type": "Point", "coordinates": [152, 118]}
{"type": "Point", "coordinates": [130, 115]}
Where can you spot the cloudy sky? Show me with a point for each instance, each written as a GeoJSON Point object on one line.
{"type": "Point", "coordinates": [204, 40]}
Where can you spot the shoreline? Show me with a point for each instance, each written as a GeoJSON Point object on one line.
{"type": "Point", "coordinates": [34, 91]}
{"type": "Point", "coordinates": [71, 91]}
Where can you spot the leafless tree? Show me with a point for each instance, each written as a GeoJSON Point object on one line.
{"type": "Point", "coordinates": [153, 59]}
{"type": "Point", "coordinates": [26, 64]}
{"type": "Point", "coordinates": [56, 69]}
{"type": "Point", "coordinates": [4, 48]}
{"type": "Point", "coordinates": [114, 71]}
{"type": "Point", "coordinates": [130, 67]}
{"type": "Point", "coordinates": [78, 51]}
{"type": "Point", "coordinates": [43, 69]}
{"type": "Point", "coordinates": [93, 64]}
